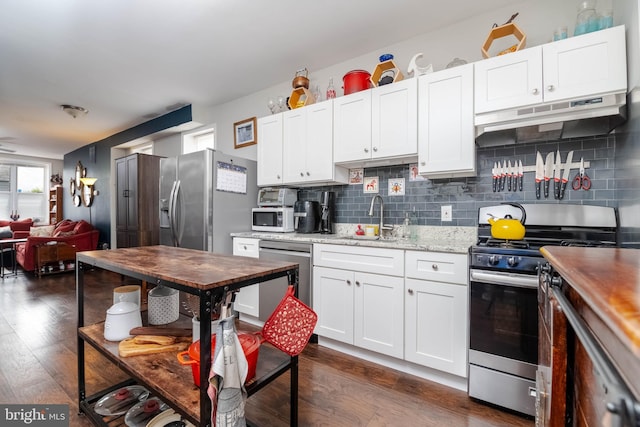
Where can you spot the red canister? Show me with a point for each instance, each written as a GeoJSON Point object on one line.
{"type": "Point", "coordinates": [355, 81]}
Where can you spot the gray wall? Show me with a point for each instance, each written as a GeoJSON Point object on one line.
{"type": "Point", "coordinates": [466, 195]}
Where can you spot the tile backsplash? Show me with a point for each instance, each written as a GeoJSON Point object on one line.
{"type": "Point", "coordinates": [423, 199]}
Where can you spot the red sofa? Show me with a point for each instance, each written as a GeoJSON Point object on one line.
{"type": "Point", "coordinates": [80, 234]}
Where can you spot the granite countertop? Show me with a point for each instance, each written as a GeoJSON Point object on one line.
{"type": "Point", "coordinates": [428, 238]}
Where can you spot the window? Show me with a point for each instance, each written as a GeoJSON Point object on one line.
{"type": "Point", "coordinates": [23, 190]}
{"type": "Point", "coordinates": [199, 140]}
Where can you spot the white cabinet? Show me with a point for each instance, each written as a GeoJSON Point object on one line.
{"type": "Point", "coordinates": [247, 299]}
{"type": "Point", "coordinates": [394, 118]}
{"type": "Point", "coordinates": [446, 133]}
{"type": "Point", "coordinates": [591, 64]}
{"type": "Point", "coordinates": [587, 65]}
{"type": "Point", "coordinates": [377, 125]}
{"type": "Point", "coordinates": [358, 306]}
{"type": "Point", "coordinates": [436, 311]}
{"type": "Point", "coordinates": [308, 146]}
{"type": "Point", "coordinates": [352, 127]}
{"type": "Point", "coordinates": [269, 150]}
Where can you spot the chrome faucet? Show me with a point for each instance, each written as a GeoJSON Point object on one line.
{"type": "Point", "coordinates": [382, 224]}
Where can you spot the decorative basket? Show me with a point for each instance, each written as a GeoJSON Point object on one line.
{"type": "Point", "coordinates": [290, 325]}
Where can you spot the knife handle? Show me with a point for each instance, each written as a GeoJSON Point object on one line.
{"type": "Point", "coordinates": [495, 183]}
{"type": "Point", "coordinates": [521, 179]}
{"type": "Point", "coordinates": [556, 189]}
{"type": "Point", "coordinates": [509, 183]}
{"type": "Point", "coordinates": [503, 178]}
{"type": "Point", "coordinates": [538, 183]}
{"type": "Point", "coordinates": [546, 188]}
{"type": "Point", "coordinates": [562, 188]}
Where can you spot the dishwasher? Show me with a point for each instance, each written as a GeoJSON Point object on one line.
{"type": "Point", "coordinates": [272, 292]}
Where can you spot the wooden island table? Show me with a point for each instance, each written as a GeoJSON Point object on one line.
{"type": "Point", "coordinates": [200, 273]}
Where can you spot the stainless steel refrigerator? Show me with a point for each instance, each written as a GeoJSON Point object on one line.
{"type": "Point", "coordinates": [205, 196]}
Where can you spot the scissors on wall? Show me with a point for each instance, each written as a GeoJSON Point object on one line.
{"type": "Point", "coordinates": [581, 179]}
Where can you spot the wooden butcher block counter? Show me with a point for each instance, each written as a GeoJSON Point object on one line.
{"type": "Point", "coordinates": [200, 273]}
{"type": "Point", "coordinates": [188, 267]}
{"type": "Point", "coordinates": [602, 285]}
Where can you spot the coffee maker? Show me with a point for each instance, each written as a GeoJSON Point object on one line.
{"type": "Point", "coordinates": [328, 209]}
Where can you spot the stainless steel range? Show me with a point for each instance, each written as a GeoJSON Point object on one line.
{"type": "Point", "coordinates": [503, 320]}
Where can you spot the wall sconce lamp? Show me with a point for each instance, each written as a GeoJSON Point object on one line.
{"type": "Point", "coordinates": [88, 190]}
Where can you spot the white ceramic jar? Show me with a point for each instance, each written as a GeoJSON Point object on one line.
{"type": "Point", "coordinates": [121, 318]}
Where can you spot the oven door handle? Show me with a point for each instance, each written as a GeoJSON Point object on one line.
{"type": "Point", "coordinates": [505, 279]}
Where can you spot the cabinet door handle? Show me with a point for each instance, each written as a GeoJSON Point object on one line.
{"type": "Point", "coordinates": [349, 282]}
{"type": "Point", "coordinates": [375, 149]}
{"type": "Point", "coordinates": [434, 266]}
{"type": "Point", "coordinates": [366, 150]}
{"type": "Point", "coordinates": [278, 176]}
{"type": "Point", "coordinates": [535, 91]}
{"type": "Point", "coordinates": [308, 174]}
{"type": "Point", "coordinates": [301, 174]}
{"type": "Point", "coordinates": [423, 163]}
{"type": "Point", "coordinates": [410, 291]}
{"type": "Point", "coordinates": [357, 283]}
{"type": "Point", "coordinates": [245, 247]}
{"type": "Point", "coordinates": [551, 88]}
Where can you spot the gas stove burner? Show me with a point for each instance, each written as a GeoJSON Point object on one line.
{"type": "Point", "coordinates": [511, 244]}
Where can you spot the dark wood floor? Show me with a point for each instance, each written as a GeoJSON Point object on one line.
{"type": "Point", "coordinates": [38, 365]}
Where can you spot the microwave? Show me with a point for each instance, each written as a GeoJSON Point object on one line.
{"type": "Point", "coordinates": [274, 219]}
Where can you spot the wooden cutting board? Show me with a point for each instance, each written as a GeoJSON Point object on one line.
{"type": "Point", "coordinates": [136, 346]}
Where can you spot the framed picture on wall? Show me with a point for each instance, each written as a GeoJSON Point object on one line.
{"type": "Point", "coordinates": [245, 133]}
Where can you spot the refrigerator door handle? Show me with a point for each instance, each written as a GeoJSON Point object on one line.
{"type": "Point", "coordinates": [172, 212]}
{"type": "Point", "coordinates": [176, 226]}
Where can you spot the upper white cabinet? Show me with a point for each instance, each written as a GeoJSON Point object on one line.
{"type": "Point", "coordinates": [308, 146]}
{"type": "Point", "coordinates": [394, 117]}
{"type": "Point", "coordinates": [269, 150]}
{"type": "Point", "coordinates": [446, 133]}
{"type": "Point", "coordinates": [587, 65]}
{"type": "Point", "coordinates": [352, 127]}
{"type": "Point", "coordinates": [377, 125]}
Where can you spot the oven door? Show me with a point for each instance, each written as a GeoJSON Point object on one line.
{"type": "Point", "coordinates": [503, 319]}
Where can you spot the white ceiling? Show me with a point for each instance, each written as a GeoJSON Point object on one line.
{"type": "Point", "coordinates": [127, 61]}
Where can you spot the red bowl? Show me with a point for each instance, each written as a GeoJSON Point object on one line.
{"type": "Point", "coordinates": [250, 345]}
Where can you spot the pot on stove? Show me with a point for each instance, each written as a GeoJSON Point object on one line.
{"type": "Point", "coordinates": [508, 228]}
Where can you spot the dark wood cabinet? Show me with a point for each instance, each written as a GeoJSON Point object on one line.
{"type": "Point", "coordinates": [55, 258]}
{"type": "Point", "coordinates": [137, 188]}
{"type": "Point", "coordinates": [589, 347]}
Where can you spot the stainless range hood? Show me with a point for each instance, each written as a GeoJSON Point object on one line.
{"type": "Point", "coordinates": [597, 115]}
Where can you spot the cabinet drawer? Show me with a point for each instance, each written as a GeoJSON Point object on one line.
{"type": "Point", "coordinates": [243, 246]}
{"type": "Point", "coordinates": [355, 258]}
{"type": "Point", "coordinates": [438, 266]}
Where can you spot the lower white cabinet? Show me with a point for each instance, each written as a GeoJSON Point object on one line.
{"type": "Point", "coordinates": [410, 305]}
{"type": "Point", "coordinates": [358, 296]}
{"type": "Point", "coordinates": [435, 328]}
{"type": "Point", "coordinates": [358, 308]}
{"type": "Point", "coordinates": [436, 311]}
{"type": "Point", "coordinates": [247, 299]}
